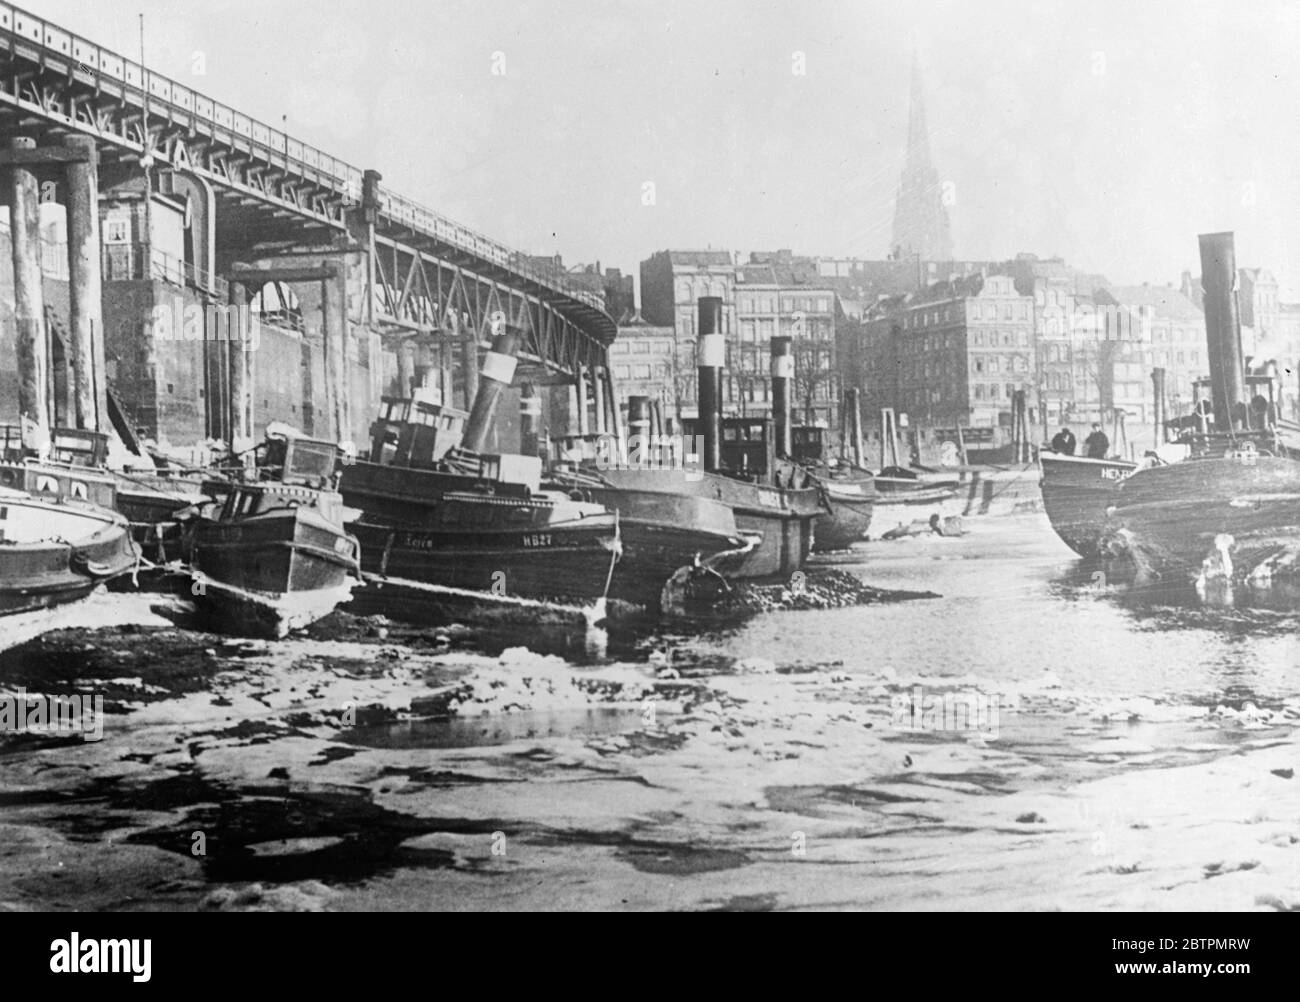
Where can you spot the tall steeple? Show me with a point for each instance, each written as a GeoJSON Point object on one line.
{"type": "Point", "coordinates": [920, 217]}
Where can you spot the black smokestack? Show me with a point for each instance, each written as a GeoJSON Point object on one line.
{"type": "Point", "coordinates": [712, 360]}
{"type": "Point", "coordinates": [1223, 329]}
{"type": "Point", "coordinates": [782, 395]}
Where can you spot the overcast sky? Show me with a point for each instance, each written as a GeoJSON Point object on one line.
{"type": "Point", "coordinates": [1109, 132]}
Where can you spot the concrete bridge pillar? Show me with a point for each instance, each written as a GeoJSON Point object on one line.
{"type": "Point", "coordinates": [406, 369]}
{"type": "Point", "coordinates": [334, 328]}
{"type": "Point", "coordinates": [469, 364]}
{"type": "Point", "coordinates": [615, 415]}
{"type": "Point", "coordinates": [601, 399]}
{"type": "Point", "coordinates": [85, 279]}
{"type": "Point", "coordinates": [29, 299]}
{"type": "Point", "coordinates": [584, 425]}
{"type": "Point", "coordinates": [240, 358]}
{"type": "Point", "coordinates": [530, 416]}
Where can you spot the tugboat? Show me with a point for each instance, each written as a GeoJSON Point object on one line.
{"type": "Point", "coordinates": [773, 502]}
{"type": "Point", "coordinates": [156, 507]}
{"type": "Point", "coordinates": [667, 537]}
{"type": "Point", "coordinates": [1076, 493]}
{"type": "Point", "coordinates": [438, 510]}
{"type": "Point", "coordinates": [276, 556]}
{"type": "Point", "coordinates": [1231, 510]}
{"type": "Point", "coordinates": [59, 534]}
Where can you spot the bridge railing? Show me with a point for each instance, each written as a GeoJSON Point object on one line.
{"type": "Point", "coordinates": [228, 125]}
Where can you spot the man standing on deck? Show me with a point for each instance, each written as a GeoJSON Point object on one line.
{"type": "Point", "coordinates": [1097, 443]}
{"type": "Point", "coordinates": [1063, 442]}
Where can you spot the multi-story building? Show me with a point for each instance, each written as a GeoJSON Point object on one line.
{"type": "Point", "coordinates": [672, 283]}
{"type": "Point", "coordinates": [1258, 305]}
{"type": "Point", "coordinates": [772, 293]}
{"type": "Point", "coordinates": [1063, 306]}
{"type": "Point", "coordinates": [955, 352]}
{"type": "Point", "coordinates": [644, 364]}
{"type": "Point", "coordinates": [780, 294]}
{"type": "Point", "coordinates": [1141, 327]}
{"type": "Point", "coordinates": [611, 285]}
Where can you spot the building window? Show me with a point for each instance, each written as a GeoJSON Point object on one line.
{"type": "Point", "coordinates": [117, 229]}
{"type": "Point", "coordinates": [620, 372]}
{"type": "Point", "coordinates": [641, 372]}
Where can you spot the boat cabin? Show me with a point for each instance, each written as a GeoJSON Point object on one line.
{"type": "Point", "coordinates": [1262, 393]}
{"type": "Point", "coordinates": [414, 433]}
{"type": "Point", "coordinates": [74, 470]}
{"type": "Point", "coordinates": [809, 444]}
{"type": "Point", "coordinates": [748, 447]}
{"type": "Point", "coordinates": [300, 462]}
{"type": "Point", "coordinates": [572, 451]}
{"type": "Point", "coordinates": [246, 500]}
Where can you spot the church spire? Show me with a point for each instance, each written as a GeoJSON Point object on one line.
{"type": "Point", "coordinates": [920, 218]}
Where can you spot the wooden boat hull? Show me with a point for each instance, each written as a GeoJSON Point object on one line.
{"type": "Point", "coordinates": [149, 502]}
{"type": "Point", "coordinates": [852, 502]}
{"type": "Point", "coordinates": [272, 572]}
{"type": "Point", "coordinates": [781, 520]}
{"type": "Point", "coordinates": [1169, 518]}
{"type": "Point", "coordinates": [451, 530]}
{"type": "Point", "coordinates": [1076, 492]}
{"type": "Point", "coordinates": [158, 519]}
{"type": "Point", "coordinates": [563, 562]}
{"type": "Point", "coordinates": [54, 552]}
{"type": "Point", "coordinates": [663, 533]}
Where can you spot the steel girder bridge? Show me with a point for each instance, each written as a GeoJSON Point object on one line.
{"type": "Point", "coordinates": [427, 277]}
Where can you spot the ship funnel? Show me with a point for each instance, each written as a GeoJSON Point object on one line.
{"type": "Point", "coordinates": [783, 396]}
{"type": "Point", "coordinates": [1223, 330]}
{"type": "Point", "coordinates": [712, 360]}
{"type": "Point", "coordinates": [496, 376]}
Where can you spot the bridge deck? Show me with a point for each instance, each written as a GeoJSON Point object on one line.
{"type": "Point", "coordinates": [67, 82]}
